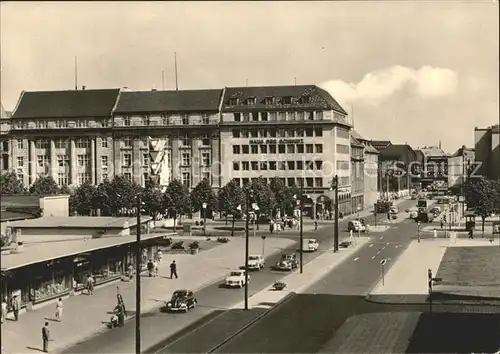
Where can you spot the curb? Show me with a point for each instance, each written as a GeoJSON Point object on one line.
{"type": "Point", "coordinates": [369, 299]}
{"type": "Point", "coordinates": [104, 328]}
{"type": "Point", "coordinates": [287, 297]}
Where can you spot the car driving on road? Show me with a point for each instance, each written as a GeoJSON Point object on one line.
{"type": "Point", "coordinates": [236, 279]}
{"type": "Point", "coordinates": [182, 300]}
{"type": "Point", "coordinates": [256, 262]}
{"type": "Point", "coordinates": [288, 262]}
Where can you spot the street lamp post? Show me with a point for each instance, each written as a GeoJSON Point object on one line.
{"type": "Point", "coordinates": [247, 242]}
{"type": "Point", "coordinates": [204, 206]}
{"type": "Point", "coordinates": [263, 245]}
{"type": "Point", "coordinates": [335, 187]}
{"type": "Point", "coordinates": [375, 214]}
{"type": "Point", "coordinates": [255, 208]}
{"type": "Point", "coordinates": [300, 200]}
{"type": "Point", "coordinates": [138, 280]}
{"type": "Point", "coordinates": [418, 231]}
{"type": "Point", "coordinates": [358, 210]}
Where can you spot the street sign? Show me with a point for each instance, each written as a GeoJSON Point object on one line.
{"type": "Point", "coordinates": [383, 261]}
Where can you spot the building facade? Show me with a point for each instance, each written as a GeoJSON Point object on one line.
{"type": "Point", "coordinates": [5, 149]}
{"type": "Point", "coordinates": [370, 171]}
{"type": "Point", "coordinates": [396, 164]}
{"type": "Point", "coordinates": [357, 175]}
{"type": "Point", "coordinates": [487, 151]}
{"type": "Point", "coordinates": [458, 166]}
{"type": "Point", "coordinates": [433, 164]}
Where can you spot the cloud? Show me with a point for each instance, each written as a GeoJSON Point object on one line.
{"type": "Point", "coordinates": [380, 85]}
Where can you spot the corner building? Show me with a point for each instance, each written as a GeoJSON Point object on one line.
{"type": "Point", "coordinates": [299, 134]}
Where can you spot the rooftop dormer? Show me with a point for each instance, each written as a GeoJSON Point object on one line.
{"type": "Point", "coordinates": [251, 101]}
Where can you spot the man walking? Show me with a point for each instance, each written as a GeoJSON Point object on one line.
{"type": "Point", "coordinates": [4, 309]}
{"type": "Point", "coordinates": [15, 307]}
{"type": "Point", "coordinates": [173, 270]}
{"type": "Point", "coordinates": [45, 337]}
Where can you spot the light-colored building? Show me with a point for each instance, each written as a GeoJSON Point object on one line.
{"type": "Point", "coordinates": [299, 134]}
{"type": "Point", "coordinates": [357, 174]}
{"type": "Point", "coordinates": [4, 139]}
{"type": "Point", "coordinates": [433, 162]}
{"type": "Point", "coordinates": [459, 165]}
{"type": "Point", "coordinates": [370, 171]}
{"type": "Point", "coordinates": [487, 151]}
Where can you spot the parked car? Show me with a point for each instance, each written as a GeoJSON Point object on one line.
{"type": "Point", "coordinates": [236, 278]}
{"type": "Point", "coordinates": [182, 300]}
{"type": "Point", "coordinates": [288, 262]}
{"type": "Point", "coordinates": [356, 225]}
{"type": "Point", "coordinates": [310, 245]}
{"type": "Point", "coordinates": [256, 262]}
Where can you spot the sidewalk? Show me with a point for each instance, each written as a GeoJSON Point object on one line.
{"type": "Point", "coordinates": [297, 283]}
{"type": "Point", "coordinates": [85, 315]}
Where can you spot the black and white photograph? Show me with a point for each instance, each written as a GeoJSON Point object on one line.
{"type": "Point", "coordinates": [250, 177]}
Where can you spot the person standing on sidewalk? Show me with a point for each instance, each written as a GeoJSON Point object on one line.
{"type": "Point", "coordinates": [173, 270]}
{"type": "Point", "coordinates": [45, 337]}
{"type": "Point", "coordinates": [4, 309]}
{"type": "Point", "coordinates": [15, 307]}
{"type": "Point", "coordinates": [59, 310]}
{"type": "Point", "coordinates": [156, 265]}
{"type": "Point", "coordinates": [120, 301]}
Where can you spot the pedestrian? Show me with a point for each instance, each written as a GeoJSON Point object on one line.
{"type": "Point", "coordinates": [121, 303]}
{"type": "Point", "coordinates": [46, 337]}
{"type": "Point", "coordinates": [315, 225]}
{"type": "Point", "coordinates": [4, 309]}
{"type": "Point", "coordinates": [435, 233]}
{"type": "Point", "coordinates": [442, 224]}
{"type": "Point", "coordinates": [173, 270]}
{"type": "Point", "coordinates": [15, 307]}
{"type": "Point", "coordinates": [59, 310]}
{"type": "Point", "coordinates": [90, 285]}
{"type": "Point", "coordinates": [130, 272]}
{"type": "Point", "coordinates": [151, 267]}
{"type": "Point", "coordinates": [471, 233]}
{"type": "Point", "coordinates": [156, 265]}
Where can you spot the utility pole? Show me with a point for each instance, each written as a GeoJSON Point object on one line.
{"type": "Point", "coordinates": [335, 187]}
{"type": "Point", "coordinates": [247, 243]}
{"type": "Point", "coordinates": [138, 280]}
{"type": "Point", "coordinates": [301, 196]}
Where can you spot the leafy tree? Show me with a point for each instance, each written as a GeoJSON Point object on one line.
{"type": "Point", "coordinates": [84, 199]}
{"type": "Point", "coordinates": [263, 196]}
{"type": "Point", "coordinates": [176, 199]}
{"type": "Point", "coordinates": [153, 200]}
{"type": "Point", "coordinates": [481, 197]}
{"type": "Point", "coordinates": [283, 195]}
{"type": "Point", "coordinates": [230, 197]}
{"type": "Point", "coordinates": [44, 185]}
{"type": "Point", "coordinates": [65, 190]}
{"type": "Point", "coordinates": [124, 194]}
{"type": "Point", "coordinates": [105, 199]}
{"type": "Point", "coordinates": [203, 193]}
{"type": "Point", "coordinates": [9, 184]}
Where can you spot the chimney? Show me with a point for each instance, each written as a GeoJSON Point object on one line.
{"type": "Point", "coordinates": [84, 87]}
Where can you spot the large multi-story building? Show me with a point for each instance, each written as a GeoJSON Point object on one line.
{"type": "Point", "coordinates": [487, 151]}
{"type": "Point", "coordinates": [433, 162]}
{"type": "Point", "coordinates": [4, 139]}
{"type": "Point", "coordinates": [370, 171]}
{"type": "Point", "coordinates": [459, 166]}
{"type": "Point", "coordinates": [299, 134]}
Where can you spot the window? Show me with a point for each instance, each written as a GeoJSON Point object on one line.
{"type": "Point", "coordinates": [104, 177]}
{"type": "Point", "coordinates": [300, 165]}
{"type": "Point", "coordinates": [309, 182]}
{"type": "Point", "coordinates": [263, 133]}
{"type": "Point", "coordinates": [42, 144]}
{"type": "Point", "coordinates": [286, 100]}
{"type": "Point", "coordinates": [236, 149]}
{"type": "Point", "coordinates": [145, 177]}
{"type": "Point", "coordinates": [281, 148]}
{"type": "Point", "coordinates": [62, 179]}
{"type": "Point", "coordinates": [281, 133]}
{"type": "Point", "coordinates": [272, 116]}
{"type": "Point", "coordinates": [83, 178]}
{"type": "Point", "coordinates": [104, 123]}
{"type": "Point", "coordinates": [236, 133]}
{"type": "Point", "coordinates": [342, 133]}
{"type": "Point", "coordinates": [61, 123]}
{"type": "Point", "coordinates": [246, 117]}
{"type": "Point", "coordinates": [205, 119]}
{"type": "Point", "coordinates": [263, 165]}
{"type": "Point", "coordinates": [272, 149]}
{"type": "Point", "coordinates": [251, 100]}
{"type": "Point", "coordinates": [255, 116]}
{"type": "Point", "coordinates": [185, 119]}
{"type": "Point", "coordinates": [309, 132]}
{"type": "Point", "coordinates": [146, 120]}
{"type": "Point", "coordinates": [126, 121]}
{"type": "Point", "coordinates": [104, 143]}
{"type": "Point", "coordinates": [61, 143]}
{"type": "Point", "coordinates": [318, 182]}
{"type": "Point", "coordinates": [245, 165]}
{"type": "Point", "coordinates": [319, 115]}
{"type": "Point", "coordinates": [263, 149]}
{"type": "Point", "coordinates": [205, 159]}
{"type": "Point", "coordinates": [128, 176]}
{"type": "Point", "coordinates": [305, 99]}
{"type": "Point", "coordinates": [300, 148]}
{"type": "Point", "coordinates": [127, 160]}
{"type": "Point", "coordinates": [343, 165]}
{"type": "Point", "coordinates": [245, 181]}
{"type": "Point", "coordinates": [254, 149]}
{"type": "Point", "coordinates": [344, 181]}
{"type": "Point", "coordinates": [309, 165]}
{"type": "Point", "coordinates": [42, 160]}
{"type": "Point", "coordinates": [145, 159]}
{"type": "Point", "coordinates": [290, 133]}
{"type": "Point", "coordinates": [318, 131]}
{"type": "Point", "coordinates": [165, 119]}
{"type": "Point", "coordinates": [20, 161]}
{"type": "Point", "coordinates": [104, 161]}
{"type": "Point", "coordinates": [186, 140]}
{"type": "Point", "coordinates": [290, 181]}
{"type": "Point", "coordinates": [20, 177]}
{"type": "Point", "coordinates": [254, 133]}
{"type": "Point", "coordinates": [62, 160]}
{"type": "Point", "coordinates": [291, 165]}
{"type": "Point", "coordinates": [233, 101]}
{"type": "Point", "coordinates": [245, 149]}
{"type": "Point", "coordinates": [309, 148]}
{"type": "Point", "coordinates": [20, 144]}
{"type": "Point", "coordinates": [41, 124]}
{"type": "Point", "coordinates": [237, 117]}
{"type": "Point", "coordinates": [272, 165]}
{"type": "Point", "coordinates": [244, 133]}
{"type": "Point", "coordinates": [310, 115]}
{"type": "Point", "coordinates": [205, 140]}
{"type": "Point", "coordinates": [236, 166]}
{"type": "Point", "coordinates": [282, 116]}
{"type": "Point", "coordinates": [281, 165]}
{"type": "Point", "coordinates": [300, 115]}
{"type": "Point", "coordinates": [290, 149]}
{"type": "Point", "coordinates": [186, 179]}
{"type": "Point", "coordinates": [127, 142]}
{"type": "Point", "coordinates": [272, 133]}
{"type": "Point", "coordinates": [82, 123]}
{"type": "Point", "coordinates": [269, 100]}
{"type": "Point", "coordinates": [186, 159]}
{"type": "Point", "coordinates": [263, 116]}
{"type": "Point", "coordinates": [291, 115]}
{"type": "Point", "coordinates": [206, 175]}
{"type": "Point", "coordinates": [83, 160]}
{"type": "Point", "coordinates": [82, 143]}
{"type": "Point", "coordinates": [255, 165]}
{"type": "Point", "coordinates": [300, 133]}
{"type": "Point", "coordinates": [342, 149]}
{"type": "Point", "coordinates": [318, 148]}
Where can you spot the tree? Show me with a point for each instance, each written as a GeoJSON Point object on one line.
{"type": "Point", "coordinates": [203, 193]}
{"type": "Point", "coordinates": [481, 197]}
{"type": "Point", "coordinates": [176, 199]}
{"type": "Point", "coordinates": [84, 199]}
{"type": "Point", "coordinates": [10, 184]}
{"type": "Point", "coordinates": [283, 195]}
{"type": "Point", "coordinates": [263, 196]}
{"type": "Point", "coordinates": [123, 195]}
{"type": "Point", "coordinates": [230, 198]}
{"type": "Point", "coordinates": [65, 190]}
{"type": "Point", "coordinates": [153, 200]}
{"type": "Point", "coordinates": [44, 185]}
{"type": "Point", "coordinates": [105, 199]}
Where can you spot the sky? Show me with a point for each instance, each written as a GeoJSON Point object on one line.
{"type": "Point", "coordinates": [410, 72]}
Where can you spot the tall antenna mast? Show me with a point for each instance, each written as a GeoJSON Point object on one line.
{"type": "Point", "coordinates": [163, 80]}
{"type": "Point", "coordinates": [295, 81]}
{"type": "Point", "coordinates": [246, 82]}
{"type": "Point", "coordinates": [76, 73]}
{"type": "Point", "coordinates": [176, 80]}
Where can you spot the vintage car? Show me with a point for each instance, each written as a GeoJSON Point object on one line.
{"type": "Point", "coordinates": [288, 262]}
{"type": "Point", "coordinates": [310, 245]}
{"type": "Point", "coordinates": [356, 226]}
{"type": "Point", "coordinates": [182, 300]}
{"type": "Point", "coordinates": [236, 279]}
{"type": "Point", "coordinates": [256, 262]}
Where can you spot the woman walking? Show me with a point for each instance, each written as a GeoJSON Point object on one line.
{"type": "Point", "coordinates": [59, 310]}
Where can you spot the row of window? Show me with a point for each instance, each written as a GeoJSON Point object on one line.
{"type": "Point", "coordinates": [185, 119]}
{"type": "Point", "coordinates": [270, 100]}
{"type": "Point", "coordinates": [280, 149]}
{"type": "Point", "coordinates": [277, 165]}
{"type": "Point", "coordinates": [278, 116]}
{"type": "Point", "coordinates": [309, 182]}
{"type": "Point", "coordinates": [44, 124]}
{"type": "Point", "coordinates": [277, 133]}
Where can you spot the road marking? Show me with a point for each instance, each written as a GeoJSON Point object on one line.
{"type": "Point", "coordinates": [355, 259]}
{"type": "Point", "coordinates": [381, 237]}
{"type": "Point", "coordinates": [383, 248]}
{"type": "Point", "coordinates": [397, 246]}
{"type": "Point", "coordinates": [373, 257]}
{"type": "Point", "coordinates": [378, 252]}
{"type": "Point", "coordinates": [387, 244]}
{"type": "Point", "coordinates": [371, 245]}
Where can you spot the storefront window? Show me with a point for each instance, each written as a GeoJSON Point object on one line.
{"type": "Point", "coordinates": [106, 271]}
{"type": "Point", "coordinates": [46, 288]}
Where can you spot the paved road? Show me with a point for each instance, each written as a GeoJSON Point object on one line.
{"type": "Point", "coordinates": [156, 327]}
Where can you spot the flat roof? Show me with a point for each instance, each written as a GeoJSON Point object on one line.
{"type": "Point", "coordinates": [86, 222]}
{"type": "Point", "coordinates": [13, 215]}
{"type": "Point", "coordinates": [43, 252]}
